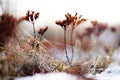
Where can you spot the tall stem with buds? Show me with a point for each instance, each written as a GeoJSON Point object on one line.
{"type": "Point", "coordinates": [34, 43]}
{"type": "Point", "coordinates": [32, 17]}
{"type": "Point", "coordinates": [77, 21]}
{"type": "Point", "coordinates": [72, 21]}
{"type": "Point", "coordinates": [41, 32]}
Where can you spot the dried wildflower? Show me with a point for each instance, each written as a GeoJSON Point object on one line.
{"type": "Point", "coordinates": [80, 21]}
{"type": "Point", "coordinates": [99, 27]}
{"type": "Point", "coordinates": [94, 23]}
{"type": "Point", "coordinates": [72, 21]}
{"type": "Point", "coordinates": [61, 23]}
{"type": "Point", "coordinates": [36, 15]}
{"type": "Point", "coordinates": [7, 27]}
{"type": "Point", "coordinates": [69, 19]}
{"type": "Point", "coordinates": [64, 24]}
{"type": "Point", "coordinates": [42, 30]}
{"type": "Point", "coordinates": [31, 16]}
{"type": "Point", "coordinates": [77, 21]}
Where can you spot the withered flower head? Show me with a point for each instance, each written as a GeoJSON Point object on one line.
{"type": "Point", "coordinates": [31, 16]}
{"type": "Point", "coordinates": [37, 15]}
{"type": "Point", "coordinates": [94, 23]}
{"type": "Point", "coordinates": [41, 31]}
{"type": "Point", "coordinates": [79, 21]}
{"type": "Point", "coordinates": [69, 19]}
{"type": "Point", "coordinates": [63, 23]}
{"type": "Point", "coordinates": [99, 27]}
{"type": "Point", "coordinates": [7, 26]}
{"type": "Point", "coordinates": [60, 23]}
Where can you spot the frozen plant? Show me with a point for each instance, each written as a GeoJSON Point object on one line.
{"type": "Point", "coordinates": [77, 21]}
{"type": "Point", "coordinates": [41, 32]}
{"type": "Point", "coordinates": [65, 24]}
{"type": "Point", "coordinates": [8, 27]}
{"type": "Point", "coordinates": [31, 16]}
{"type": "Point", "coordinates": [72, 21]}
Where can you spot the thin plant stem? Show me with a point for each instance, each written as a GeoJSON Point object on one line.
{"type": "Point", "coordinates": [65, 47]}
{"type": "Point", "coordinates": [34, 30]}
{"type": "Point", "coordinates": [34, 43]}
{"type": "Point", "coordinates": [72, 46]}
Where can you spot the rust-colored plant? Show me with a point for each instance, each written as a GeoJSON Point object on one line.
{"type": "Point", "coordinates": [8, 25]}
{"type": "Point", "coordinates": [98, 27]}
{"type": "Point", "coordinates": [64, 24]}
{"type": "Point", "coordinates": [31, 16]}
{"type": "Point", "coordinates": [72, 21]}
{"type": "Point", "coordinates": [41, 32]}
{"type": "Point", "coordinates": [77, 21]}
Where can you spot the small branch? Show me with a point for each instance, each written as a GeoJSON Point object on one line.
{"type": "Point", "coordinates": [34, 43]}
{"type": "Point", "coordinates": [66, 47]}
{"type": "Point", "coordinates": [72, 46]}
{"type": "Point", "coordinates": [34, 30]}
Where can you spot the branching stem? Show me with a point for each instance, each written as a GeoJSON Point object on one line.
{"type": "Point", "coordinates": [66, 47]}
{"type": "Point", "coordinates": [72, 46]}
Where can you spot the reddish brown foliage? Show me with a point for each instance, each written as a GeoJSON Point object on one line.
{"type": "Point", "coordinates": [64, 23]}
{"type": "Point", "coordinates": [42, 30]}
{"type": "Point", "coordinates": [94, 23]}
{"type": "Point", "coordinates": [97, 28]}
{"type": "Point", "coordinates": [31, 16]}
{"type": "Point", "coordinates": [7, 26]}
{"type": "Point", "coordinates": [70, 20]}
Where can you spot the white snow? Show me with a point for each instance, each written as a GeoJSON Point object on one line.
{"type": "Point", "coordinates": [111, 73]}
{"type": "Point", "coordinates": [116, 56]}
{"type": "Point", "coordinates": [50, 76]}
{"type": "Point", "coordinates": [113, 70]}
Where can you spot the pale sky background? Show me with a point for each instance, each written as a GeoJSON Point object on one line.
{"type": "Point", "coordinates": [52, 10]}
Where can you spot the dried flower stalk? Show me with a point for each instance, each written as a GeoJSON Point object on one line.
{"type": "Point", "coordinates": [41, 32]}
{"type": "Point", "coordinates": [31, 16]}
{"type": "Point", "coordinates": [72, 21]}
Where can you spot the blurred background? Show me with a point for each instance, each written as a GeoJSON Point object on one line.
{"type": "Point", "coordinates": [106, 11]}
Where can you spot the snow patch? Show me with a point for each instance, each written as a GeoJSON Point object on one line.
{"type": "Point", "coordinates": [50, 76]}
{"type": "Point", "coordinates": [111, 73]}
